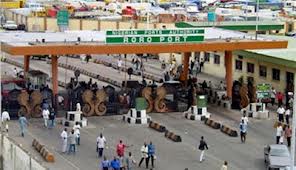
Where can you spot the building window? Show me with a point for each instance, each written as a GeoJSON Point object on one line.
{"type": "Point", "coordinates": [262, 71]}
{"type": "Point", "coordinates": [207, 57]}
{"type": "Point", "coordinates": [276, 74]}
{"type": "Point", "coordinates": [240, 57]}
{"type": "Point", "coordinates": [250, 68]}
{"type": "Point", "coordinates": [238, 65]}
{"type": "Point", "coordinates": [216, 59]}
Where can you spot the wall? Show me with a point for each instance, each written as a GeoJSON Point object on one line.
{"type": "Point", "coordinates": [219, 70]}
{"type": "Point", "coordinates": [16, 158]}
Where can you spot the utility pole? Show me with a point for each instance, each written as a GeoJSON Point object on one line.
{"type": "Point", "coordinates": [257, 19]}
{"type": "Point", "coordinates": [293, 125]}
{"type": "Point", "coordinates": [148, 15]}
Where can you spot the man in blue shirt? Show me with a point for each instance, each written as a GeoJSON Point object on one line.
{"type": "Point", "coordinates": [105, 164]}
{"type": "Point", "coordinates": [115, 164]}
{"type": "Point", "coordinates": [151, 153]}
{"type": "Point", "coordinates": [243, 130]}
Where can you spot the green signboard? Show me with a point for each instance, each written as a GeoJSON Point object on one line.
{"type": "Point", "coordinates": [154, 36]}
{"type": "Point", "coordinates": [63, 18]}
{"type": "Point", "coordinates": [201, 101]}
{"type": "Point", "coordinates": [263, 90]}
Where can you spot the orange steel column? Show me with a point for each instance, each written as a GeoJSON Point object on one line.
{"type": "Point", "coordinates": [54, 71]}
{"type": "Point", "coordinates": [228, 77]}
{"type": "Point", "coordinates": [26, 65]}
{"type": "Point", "coordinates": [185, 71]}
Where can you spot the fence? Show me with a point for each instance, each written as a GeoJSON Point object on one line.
{"type": "Point", "coordinates": [13, 157]}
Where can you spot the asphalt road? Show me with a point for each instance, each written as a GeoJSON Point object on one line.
{"type": "Point", "coordinates": [170, 155]}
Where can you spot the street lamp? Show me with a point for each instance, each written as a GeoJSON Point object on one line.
{"type": "Point", "coordinates": [148, 15]}
{"type": "Point", "coordinates": [257, 19]}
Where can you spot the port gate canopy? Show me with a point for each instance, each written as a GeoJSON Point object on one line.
{"type": "Point", "coordinates": [122, 42]}
{"type": "Point", "coordinates": [133, 42]}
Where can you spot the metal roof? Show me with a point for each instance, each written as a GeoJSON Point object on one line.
{"type": "Point", "coordinates": [286, 57]}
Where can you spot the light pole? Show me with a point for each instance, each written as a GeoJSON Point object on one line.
{"type": "Point", "coordinates": [148, 15]}
{"type": "Point", "coordinates": [257, 19]}
{"type": "Point", "coordinates": [293, 126]}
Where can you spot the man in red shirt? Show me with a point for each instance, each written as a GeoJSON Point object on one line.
{"type": "Point", "coordinates": [280, 98]}
{"type": "Point", "coordinates": [120, 148]}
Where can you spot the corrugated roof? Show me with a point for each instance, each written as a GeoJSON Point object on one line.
{"type": "Point", "coordinates": [285, 54]}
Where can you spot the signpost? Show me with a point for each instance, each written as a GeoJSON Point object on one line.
{"type": "Point", "coordinates": [193, 35]}
{"type": "Point", "coordinates": [63, 18]}
{"type": "Point", "coordinates": [263, 91]}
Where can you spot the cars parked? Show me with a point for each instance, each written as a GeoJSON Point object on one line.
{"type": "Point", "coordinates": [10, 25]}
{"type": "Point", "coordinates": [277, 157]}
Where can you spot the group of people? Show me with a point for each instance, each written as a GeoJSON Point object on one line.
{"type": "Point", "coordinates": [196, 66]}
{"type": "Point", "coordinates": [70, 140]}
{"type": "Point", "coordinates": [284, 114]}
{"type": "Point", "coordinates": [283, 132]}
{"type": "Point", "coordinates": [122, 162]}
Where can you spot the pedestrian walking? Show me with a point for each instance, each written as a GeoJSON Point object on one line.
{"type": "Point", "coordinates": [202, 146]}
{"type": "Point", "coordinates": [288, 134]}
{"type": "Point", "coordinates": [4, 120]}
{"type": "Point", "coordinates": [281, 112]}
{"type": "Point", "coordinates": [23, 123]}
{"type": "Point", "coordinates": [78, 107]}
{"type": "Point", "coordinates": [130, 161]}
{"type": "Point", "coordinates": [144, 155]}
{"type": "Point", "coordinates": [72, 142]}
{"type": "Point", "coordinates": [151, 154]}
{"type": "Point", "coordinates": [101, 141]}
{"type": "Point", "coordinates": [15, 72]}
{"type": "Point", "coordinates": [279, 131]}
{"type": "Point", "coordinates": [287, 115]}
{"type": "Point", "coordinates": [280, 97]}
{"type": "Point", "coordinates": [224, 166]}
{"type": "Point", "coordinates": [245, 118]}
{"type": "Point", "coordinates": [76, 129]}
{"type": "Point", "coordinates": [122, 163]}
{"type": "Point", "coordinates": [115, 164]}
{"type": "Point", "coordinates": [120, 148]}
{"type": "Point", "coordinates": [281, 141]}
{"type": "Point", "coordinates": [105, 164]}
{"type": "Point", "coordinates": [64, 137]}
{"type": "Point", "coordinates": [52, 118]}
{"type": "Point", "coordinates": [243, 131]}
{"type": "Point", "coordinates": [119, 65]}
{"type": "Point", "coordinates": [45, 114]}
{"type": "Point", "coordinates": [272, 96]}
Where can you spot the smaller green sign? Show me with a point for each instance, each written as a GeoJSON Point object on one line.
{"type": "Point", "coordinates": [263, 90]}
{"type": "Point", "coordinates": [63, 18]}
{"type": "Point", "coordinates": [141, 103]}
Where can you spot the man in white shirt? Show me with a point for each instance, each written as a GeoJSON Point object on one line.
{"type": "Point", "coordinates": [119, 64]}
{"type": "Point", "coordinates": [144, 151]}
{"type": "Point", "coordinates": [245, 118]}
{"type": "Point", "coordinates": [281, 112]}
{"type": "Point", "coordinates": [279, 131]}
{"type": "Point", "coordinates": [4, 120]}
{"type": "Point", "coordinates": [15, 72]}
{"type": "Point", "coordinates": [272, 95]}
{"type": "Point", "coordinates": [64, 137]}
{"type": "Point", "coordinates": [45, 114]}
{"type": "Point", "coordinates": [76, 129]}
{"type": "Point", "coordinates": [287, 115]}
{"type": "Point", "coordinates": [101, 141]}
{"type": "Point", "coordinates": [78, 107]}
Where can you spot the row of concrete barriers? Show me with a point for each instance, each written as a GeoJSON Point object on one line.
{"type": "Point", "coordinates": [168, 134]}
{"type": "Point", "coordinates": [48, 156]}
{"type": "Point", "coordinates": [223, 128]}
